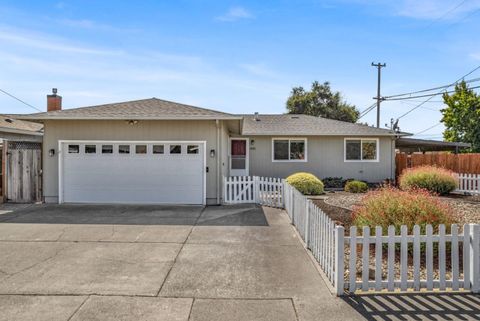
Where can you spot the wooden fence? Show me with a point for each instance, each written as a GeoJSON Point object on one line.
{"type": "Point", "coordinates": [459, 163]}
{"type": "Point", "coordinates": [253, 189]}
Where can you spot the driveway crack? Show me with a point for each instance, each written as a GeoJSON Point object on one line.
{"type": "Point", "coordinates": [9, 275]}
{"type": "Point", "coordinates": [180, 250]}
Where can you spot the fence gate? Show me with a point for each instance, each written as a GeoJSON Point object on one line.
{"type": "Point", "coordinates": [23, 172]}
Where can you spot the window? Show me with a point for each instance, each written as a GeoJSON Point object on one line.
{"type": "Point", "coordinates": [175, 149]}
{"type": "Point", "coordinates": [124, 149]}
{"type": "Point", "coordinates": [90, 149]}
{"type": "Point", "coordinates": [73, 149]}
{"type": "Point", "coordinates": [361, 150]}
{"type": "Point", "coordinates": [192, 149]}
{"type": "Point", "coordinates": [158, 149]}
{"type": "Point", "coordinates": [140, 149]}
{"type": "Point", "coordinates": [294, 150]}
{"type": "Point", "coordinates": [107, 149]}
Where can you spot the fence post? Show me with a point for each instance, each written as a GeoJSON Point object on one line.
{"type": "Point", "coordinates": [339, 259]}
{"type": "Point", "coordinates": [475, 257]}
{"type": "Point", "coordinates": [307, 219]}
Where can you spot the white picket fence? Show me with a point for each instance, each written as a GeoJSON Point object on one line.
{"type": "Point", "coordinates": [409, 264]}
{"type": "Point", "coordinates": [412, 262]}
{"type": "Point", "coordinates": [253, 189]}
{"type": "Point", "coordinates": [469, 183]}
{"type": "Point", "coordinates": [315, 228]}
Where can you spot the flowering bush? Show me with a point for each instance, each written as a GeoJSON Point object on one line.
{"type": "Point", "coordinates": [434, 179]}
{"type": "Point", "coordinates": [356, 187]}
{"type": "Point", "coordinates": [390, 206]}
{"type": "Point", "coordinates": [306, 183]}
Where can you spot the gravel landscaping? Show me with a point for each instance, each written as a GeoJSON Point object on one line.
{"type": "Point", "coordinates": [339, 205]}
{"type": "Point", "coordinates": [466, 208]}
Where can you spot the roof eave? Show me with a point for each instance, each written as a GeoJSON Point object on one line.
{"type": "Point", "coordinates": [39, 119]}
{"type": "Point", "coordinates": [20, 131]}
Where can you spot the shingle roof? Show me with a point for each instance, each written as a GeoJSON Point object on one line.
{"type": "Point", "coordinates": [10, 124]}
{"type": "Point", "coordinates": [152, 108]}
{"type": "Point", "coordinates": [304, 125]}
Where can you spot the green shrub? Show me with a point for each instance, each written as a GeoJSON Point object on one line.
{"type": "Point", "coordinates": [356, 187]}
{"type": "Point", "coordinates": [434, 179]}
{"type": "Point", "coordinates": [389, 206]}
{"type": "Point", "coordinates": [306, 183]}
{"type": "Point", "coordinates": [333, 182]}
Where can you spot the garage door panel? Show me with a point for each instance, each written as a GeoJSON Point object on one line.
{"type": "Point", "coordinates": [133, 178]}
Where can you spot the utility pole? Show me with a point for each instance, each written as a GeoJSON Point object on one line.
{"type": "Point", "coordinates": [378, 98]}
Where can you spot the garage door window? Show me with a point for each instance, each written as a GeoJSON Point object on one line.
{"type": "Point", "coordinates": [158, 149]}
{"type": "Point", "coordinates": [175, 149]}
{"type": "Point", "coordinates": [140, 149]}
{"type": "Point", "coordinates": [73, 149]}
{"type": "Point", "coordinates": [107, 149]}
{"type": "Point", "coordinates": [90, 149]}
{"type": "Point", "coordinates": [192, 149]}
{"type": "Point", "coordinates": [124, 149]}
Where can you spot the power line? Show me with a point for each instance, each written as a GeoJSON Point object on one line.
{"type": "Point", "coordinates": [426, 130]}
{"type": "Point", "coordinates": [430, 89]}
{"type": "Point", "coordinates": [367, 110]}
{"type": "Point", "coordinates": [431, 97]}
{"type": "Point", "coordinates": [426, 95]}
{"type": "Point", "coordinates": [23, 102]}
{"type": "Point", "coordinates": [447, 13]}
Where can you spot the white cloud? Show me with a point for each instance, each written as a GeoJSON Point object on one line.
{"type": "Point", "coordinates": [436, 9]}
{"type": "Point", "coordinates": [92, 25]}
{"type": "Point", "coordinates": [234, 14]}
{"type": "Point", "coordinates": [33, 40]}
{"type": "Point", "coordinates": [258, 69]}
{"type": "Point", "coordinates": [475, 56]}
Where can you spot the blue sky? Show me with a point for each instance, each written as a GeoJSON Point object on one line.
{"type": "Point", "coordinates": [235, 56]}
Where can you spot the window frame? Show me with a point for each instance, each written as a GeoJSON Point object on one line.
{"type": "Point", "coordinates": [305, 140]}
{"type": "Point", "coordinates": [361, 160]}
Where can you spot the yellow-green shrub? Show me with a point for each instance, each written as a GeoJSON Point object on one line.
{"type": "Point", "coordinates": [389, 206]}
{"type": "Point", "coordinates": [306, 183]}
{"type": "Point", "coordinates": [434, 179]}
{"type": "Point", "coordinates": [356, 187]}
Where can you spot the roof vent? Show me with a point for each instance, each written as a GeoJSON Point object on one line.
{"type": "Point", "coordinates": [8, 120]}
{"type": "Point", "coordinates": [255, 116]}
{"type": "Point", "coordinates": [295, 117]}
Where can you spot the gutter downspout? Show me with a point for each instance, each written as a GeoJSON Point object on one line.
{"type": "Point", "coordinates": [218, 154]}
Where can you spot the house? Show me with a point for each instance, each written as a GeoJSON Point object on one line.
{"type": "Point", "coordinates": [157, 151]}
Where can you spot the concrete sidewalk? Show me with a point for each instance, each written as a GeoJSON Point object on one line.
{"type": "Point", "coordinates": [154, 263]}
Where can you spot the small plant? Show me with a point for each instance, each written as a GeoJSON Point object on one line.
{"type": "Point", "coordinates": [306, 183]}
{"type": "Point", "coordinates": [390, 206]}
{"type": "Point", "coordinates": [333, 182]}
{"type": "Point", "coordinates": [356, 187]}
{"type": "Point", "coordinates": [434, 179]}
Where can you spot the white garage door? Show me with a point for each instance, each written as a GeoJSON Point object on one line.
{"type": "Point", "coordinates": [126, 172]}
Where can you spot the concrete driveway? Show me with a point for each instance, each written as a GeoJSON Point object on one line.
{"type": "Point", "coordinates": [75, 262]}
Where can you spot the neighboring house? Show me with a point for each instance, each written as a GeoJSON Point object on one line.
{"type": "Point", "coordinates": [16, 174]}
{"type": "Point", "coordinates": [13, 129]}
{"type": "Point", "coordinates": [157, 151]}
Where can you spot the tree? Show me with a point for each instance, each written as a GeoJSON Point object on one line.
{"type": "Point", "coordinates": [461, 117]}
{"type": "Point", "coordinates": [321, 101]}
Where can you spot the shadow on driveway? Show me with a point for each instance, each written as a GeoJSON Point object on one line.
{"type": "Point", "coordinates": [235, 215]}
{"type": "Point", "coordinates": [416, 306]}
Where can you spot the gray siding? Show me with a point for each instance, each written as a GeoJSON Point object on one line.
{"type": "Point", "coordinates": [325, 158]}
{"type": "Point", "coordinates": [119, 130]}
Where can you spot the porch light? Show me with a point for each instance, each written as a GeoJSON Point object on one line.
{"type": "Point", "coordinates": [132, 122]}
{"type": "Point", "coordinates": [51, 152]}
{"type": "Point", "coordinates": [212, 153]}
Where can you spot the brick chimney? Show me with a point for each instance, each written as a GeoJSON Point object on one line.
{"type": "Point", "coordinates": [54, 102]}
